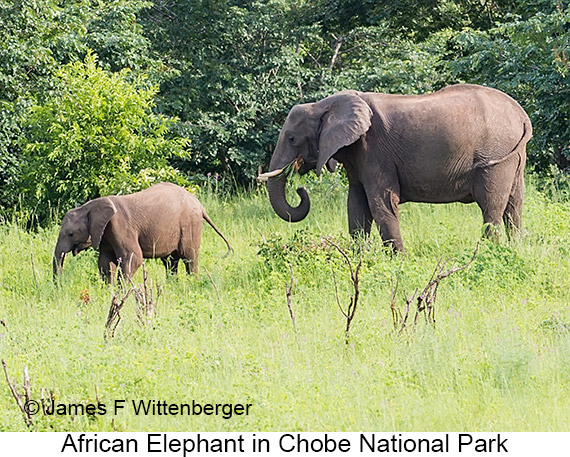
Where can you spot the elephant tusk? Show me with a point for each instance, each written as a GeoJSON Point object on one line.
{"type": "Point", "coordinates": [297, 163]}
{"type": "Point", "coordinates": [270, 174]}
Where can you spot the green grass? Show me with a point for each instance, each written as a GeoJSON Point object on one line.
{"type": "Point", "coordinates": [498, 357]}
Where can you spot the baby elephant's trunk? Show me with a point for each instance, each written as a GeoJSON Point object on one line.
{"type": "Point", "coordinates": [58, 258]}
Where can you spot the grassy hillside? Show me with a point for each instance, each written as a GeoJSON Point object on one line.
{"type": "Point", "coordinates": [498, 357]}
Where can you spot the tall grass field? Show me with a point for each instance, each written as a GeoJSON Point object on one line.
{"type": "Point", "coordinates": [495, 357]}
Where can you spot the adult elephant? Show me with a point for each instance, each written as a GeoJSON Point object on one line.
{"type": "Point", "coordinates": [464, 143]}
{"type": "Point", "coordinates": [164, 221]}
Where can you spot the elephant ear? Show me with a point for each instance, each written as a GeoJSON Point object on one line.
{"type": "Point", "coordinates": [346, 117]}
{"type": "Point", "coordinates": [101, 210]}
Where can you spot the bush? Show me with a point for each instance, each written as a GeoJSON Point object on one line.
{"type": "Point", "coordinates": [95, 135]}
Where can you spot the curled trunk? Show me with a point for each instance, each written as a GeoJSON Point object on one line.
{"type": "Point", "coordinates": [276, 190]}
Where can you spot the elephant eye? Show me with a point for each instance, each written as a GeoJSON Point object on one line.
{"type": "Point", "coordinates": [70, 234]}
{"type": "Point", "coordinates": [291, 139]}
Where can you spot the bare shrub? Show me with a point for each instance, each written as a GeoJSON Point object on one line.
{"type": "Point", "coordinates": [24, 401]}
{"type": "Point", "coordinates": [351, 309]}
{"type": "Point", "coordinates": [145, 304]}
{"type": "Point", "coordinates": [424, 301]}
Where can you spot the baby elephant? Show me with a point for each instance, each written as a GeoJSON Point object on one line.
{"type": "Point", "coordinates": [163, 221]}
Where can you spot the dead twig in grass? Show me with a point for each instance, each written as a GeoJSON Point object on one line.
{"type": "Point", "coordinates": [288, 292]}
{"type": "Point", "coordinates": [33, 265]}
{"type": "Point", "coordinates": [425, 301]}
{"type": "Point", "coordinates": [354, 272]}
{"type": "Point", "coordinates": [114, 316]}
{"type": "Point", "coordinates": [25, 404]}
{"type": "Point", "coordinates": [213, 283]}
{"type": "Point", "coordinates": [396, 313]}
{"type": "Point", "coordinates": [146, 307]}
{"type": "Point", "coordinates": [146, 304]}
{"type": "Point", "coordinates": [45, 405]}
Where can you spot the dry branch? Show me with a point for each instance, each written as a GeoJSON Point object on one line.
{"type": "Point", "coordinates": [213, 284]}
{"type": "Point", "coordinates": [114, 317]}
{"type": "Point", "coordinates": [288, 292]}
{"type": "Point", "coordinates": [425, 301]}
{"type": "Point", "coordinates": [33, 265]}
{"type": "Point", "coordinates": [338, 43]}
{"type": "Point", "coordinates": [146, 304]}
{"type": "Point", "coordinates": [18, 397]}
{"type": "Point", "coordinates": [351, 310]}
{"type": "Point", "coordinates": [45, 407]}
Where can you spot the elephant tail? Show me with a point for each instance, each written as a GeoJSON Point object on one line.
{"type": "Point", "coordinates": [527, 135]}
{"type": "Point", "coordinates": [518, 149]}
{"type": "Point", "coordinates": [521, 146]}
{"type": "Point", "coordinates": [209, 221]}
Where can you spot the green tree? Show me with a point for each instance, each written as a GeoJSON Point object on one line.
{"type": "Point", "coordinates": [36, 38]}
{"type": "Point", "coordinates": [529, 59]}
{"type": "Point", "coordinates": [418, 19]}
{"type": "Point", "coordinates": [234, 74]}
{"type": "Point", "coordinates": [94, 135]}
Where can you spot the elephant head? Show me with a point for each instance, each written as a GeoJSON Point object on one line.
{"type": "Point", "coordinates": [81, 228]}
{"type": "Point", "coordinates": [311, 135]}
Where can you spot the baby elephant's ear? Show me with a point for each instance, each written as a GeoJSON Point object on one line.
{"type": "Point", "coordinates": [101, 210]}
{"type": "Point", "coordinates": [345, 118]}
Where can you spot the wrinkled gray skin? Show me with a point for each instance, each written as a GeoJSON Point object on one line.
{"type": "Point", "coordinates": [464, 143]}
{"type": "Point", "coordinates": [164, 221]}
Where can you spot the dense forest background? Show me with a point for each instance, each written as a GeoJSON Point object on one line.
{"type": "Point", "coordinates": [100, 97]}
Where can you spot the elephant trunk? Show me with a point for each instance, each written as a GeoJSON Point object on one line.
{"type": "Point", "coordinates": [58, 258]}
{"type": "Point", "coordinates": [276, 190]}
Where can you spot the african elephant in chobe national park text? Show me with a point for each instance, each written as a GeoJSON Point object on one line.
{"type": "Point", "coordinates": [164, 221]}
{"type": "Point", "coordinates": [464, 143]}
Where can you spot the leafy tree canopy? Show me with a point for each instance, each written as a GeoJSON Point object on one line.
{"type": "Point", "coordinates": [94, 135]}
{"type": "Point", "coordinates": [229, 71]}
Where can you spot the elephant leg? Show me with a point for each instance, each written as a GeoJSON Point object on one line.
{"type": "Point", "coordinates": [174, 266]}
{"type": "Point", "coordinates": [170, 264]}
{"type": "Point", "coordinates": [359, 215]}
{"type": "Point", "coordinates": [190, 248]}
{"type": "Point", "coordinates": [130, 260]}
{"type": "Point", "coordinates": [107, 264]}
{"type": "Point", "coordinates": [384, 209]}
{"type": "Point", "coordinates": [191, 265]}
{"type": "Point", "coordinates": [190, 259]}
{"type": "Point", "coordinates": [492, 190]}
